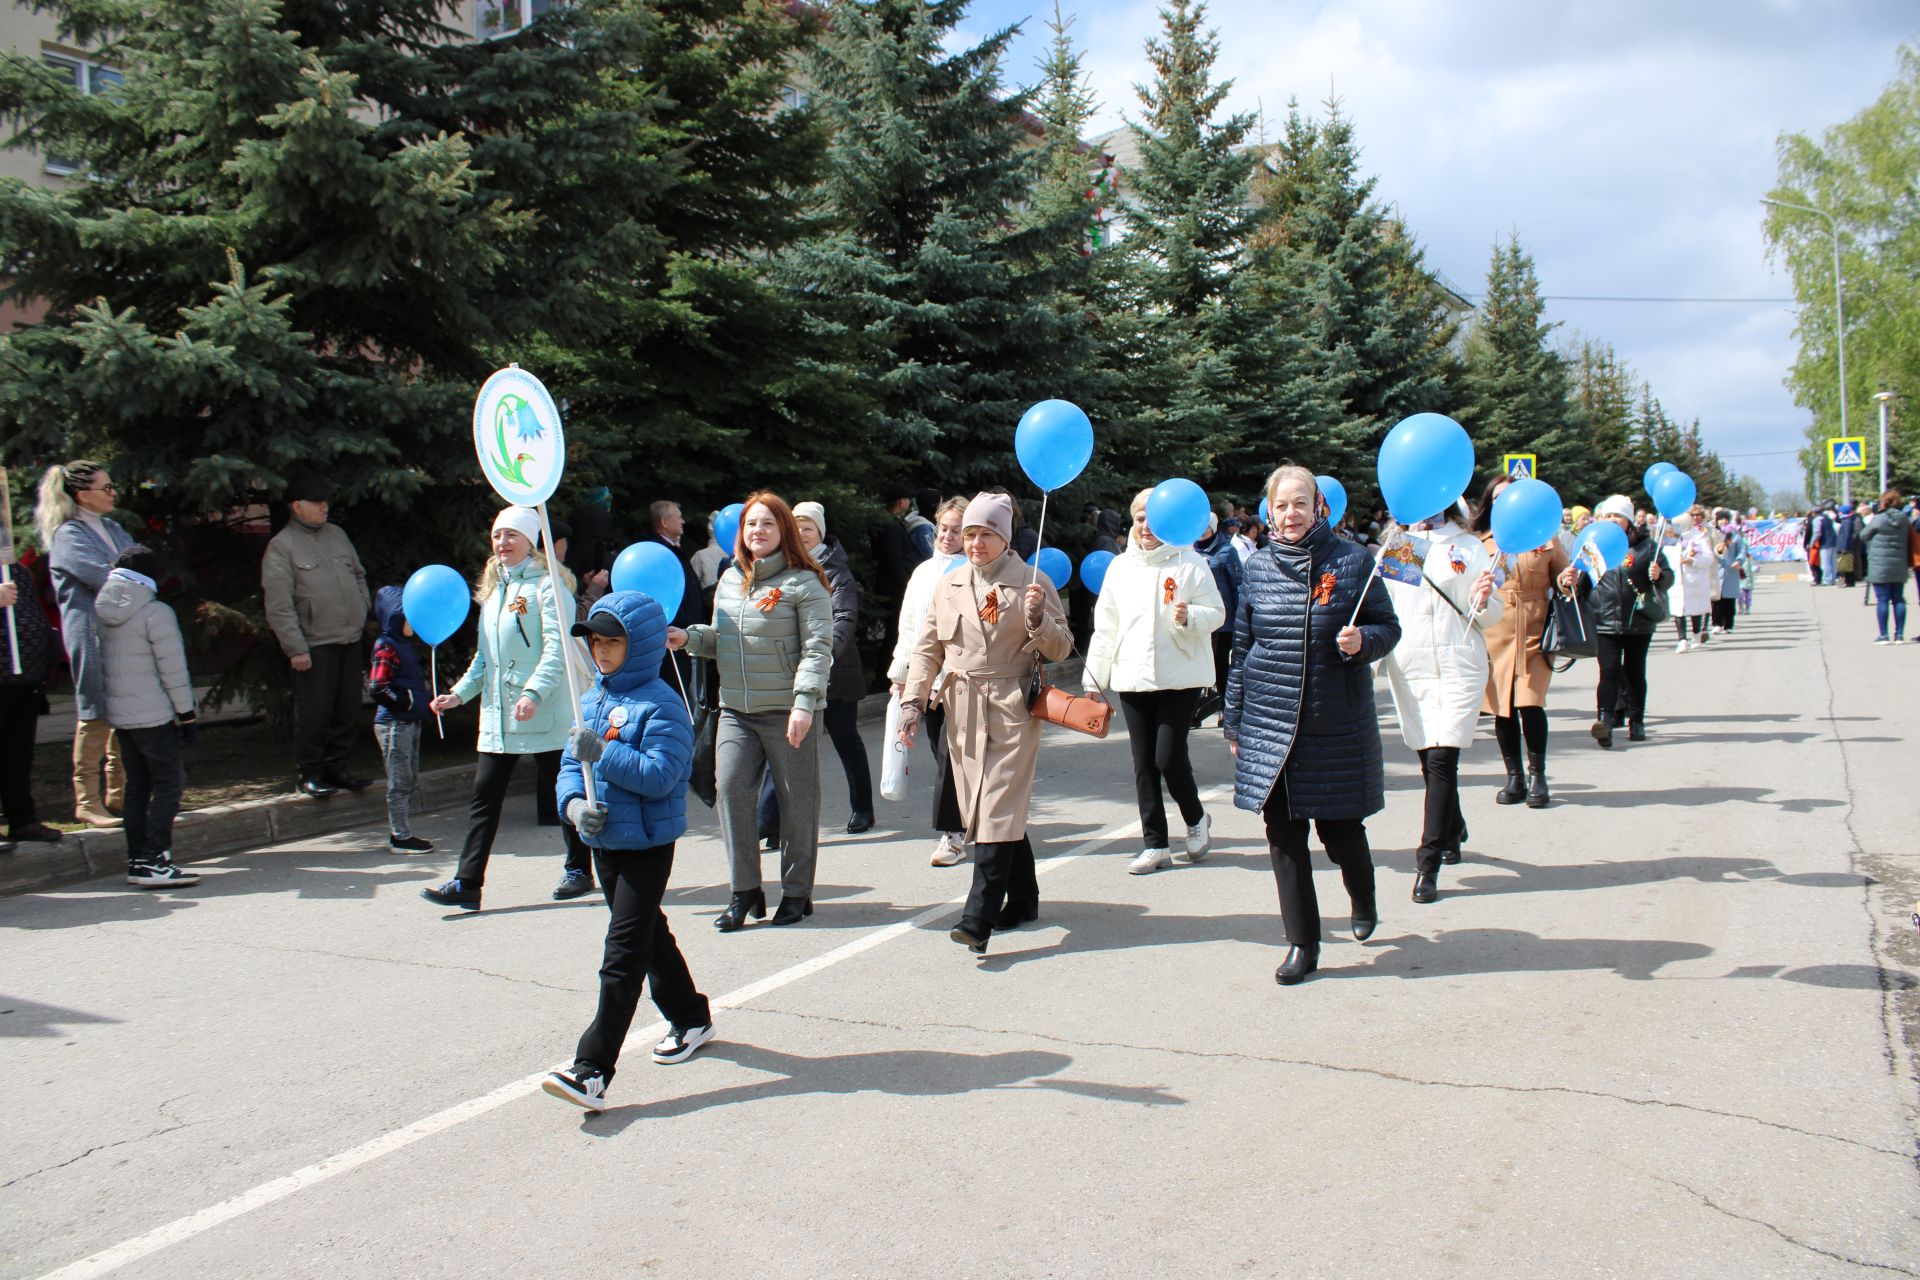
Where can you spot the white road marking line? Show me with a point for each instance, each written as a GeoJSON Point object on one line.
{"type": "Point", "coordinates": [183, 1229]}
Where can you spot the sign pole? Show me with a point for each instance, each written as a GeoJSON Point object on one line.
{"type": "Point", "coordinates": [561, 630]}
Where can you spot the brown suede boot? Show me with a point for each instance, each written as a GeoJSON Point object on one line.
{"type": "Point", "coordinates": [90, 739]}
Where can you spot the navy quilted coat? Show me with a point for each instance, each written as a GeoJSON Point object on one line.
{"type": "Point", "coordinates": [1294, 701]}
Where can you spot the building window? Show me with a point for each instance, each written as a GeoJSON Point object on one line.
{"type": "Point", "coordinates": [795, 98]}
{"type": "Point", "coordinates": [509, 17]}
{"type": "Point", "coordinates": [87, 77]}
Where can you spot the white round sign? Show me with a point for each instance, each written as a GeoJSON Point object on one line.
{"type": "Point", "coordinates": [518, 438]}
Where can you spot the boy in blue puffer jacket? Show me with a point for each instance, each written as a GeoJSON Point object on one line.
{"type": "Point", "coordinates": [399, 690]}
{"type": "Point", "coordinates": [637, 735]}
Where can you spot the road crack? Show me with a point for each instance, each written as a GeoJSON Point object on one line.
{"type": "Point", "coordinates": [1785, 1236]}
{"type": "Point", "coordinates": [393, 960]}
{"type": "Point", "coordinates": [174, 1127]}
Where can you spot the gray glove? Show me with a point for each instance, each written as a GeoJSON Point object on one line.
{"type": "Point", "coordinates": [587, 746]}
{"type": "Point", "coordinates": [587, 819]}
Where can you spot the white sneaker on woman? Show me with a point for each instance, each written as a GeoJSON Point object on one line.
{"type": "Point", "coordinates": [1199, 841]}
{"type": "Point", "coordinates": [950, 852]}
{"type": "Point", "coordinates": [1149, 860]}
{"type": "Point", "coordinates": [1680, 647]}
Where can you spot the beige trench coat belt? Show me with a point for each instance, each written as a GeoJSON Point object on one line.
{"type": "Point", "coordinates": [949, 674]}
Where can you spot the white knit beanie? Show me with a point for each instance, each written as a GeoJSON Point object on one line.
{"type": "Point", "coordinates": [815, 512]}
{"type": "Point", "coordinates": [1617, 505]}
{"type": "Point", "coordinates": [524, 521]}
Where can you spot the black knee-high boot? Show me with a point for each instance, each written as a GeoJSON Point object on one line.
{"type": "Point", "coordinates": [1506, 731]}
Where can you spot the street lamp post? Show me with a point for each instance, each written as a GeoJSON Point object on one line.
{"type": "Point", "coordinates": [1883, 397]}
{"type": "Point", "coordinates": [1839, 324]}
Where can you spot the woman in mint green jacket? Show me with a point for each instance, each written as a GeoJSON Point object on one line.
{"type": "Point", "coordinates": [771, 640]}
{"type": "Point", "coordinates": [518, 674]}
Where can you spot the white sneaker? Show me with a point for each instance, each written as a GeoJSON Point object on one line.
{"type": "Point", "coordinates": [582, 1086]}
{"type": "Point", "coordinates": [1883, 640]}
{"type": "Point", "coordinates": [1681, 647]}
{"type": "Point", "coordinates": [680, 1044]}
{"type": "Point", "coordinates": [159, 873]}
{"type": "Point", "coordinates": [1199, 841]}
{"type": "Point", "coordinates": [1149, 860]}
{"type": "Point", "coordinates": [950, 852]}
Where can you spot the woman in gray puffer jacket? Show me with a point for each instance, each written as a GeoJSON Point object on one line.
{"type": "Point", "coordinates": [771, 640]}
{"type": "Point", "coordinates": [1885, 538]}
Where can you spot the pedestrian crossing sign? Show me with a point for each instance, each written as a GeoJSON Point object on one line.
{"type": "Point", "coordinates": [1520, 466]}
{"type": "Point", "coordinates": [1846, 453]}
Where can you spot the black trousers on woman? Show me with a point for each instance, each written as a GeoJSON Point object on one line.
{"type": "Point", "coordinates": [946, 798]}
{"type": "Point", "coordinates": [1157, 725]}
{"type": "Point", "coordinates": [639, 946]}
{"type": "Point", "coordinates": [1442, 828]}
{"type": "Point", "coordinates": [491, 775]}
{"type": "Point", "coordinates": [1346, 844]}
{"type": "Point", "coordinates": [1724, 612]}
{"type": "Point", "coordinates": [1004, 879]}
{"type": "Point", "coordinates": [19, 722]}
{"type": "Point", "coordinates": [1623, 677]}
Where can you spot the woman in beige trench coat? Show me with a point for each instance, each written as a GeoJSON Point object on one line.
{"type": "Point", "coordinates": [1517, 672]}
{"type": "Point", "coordinates": [975, 656]}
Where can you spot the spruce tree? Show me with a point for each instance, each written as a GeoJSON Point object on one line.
{"type": "Point", "coordinates": [1514, 388]}
{"type": "Point", "coordinates": [946, 299]}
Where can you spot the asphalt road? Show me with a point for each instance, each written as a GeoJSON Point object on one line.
{"type": "Point", "coordinates": [1661, 1028]}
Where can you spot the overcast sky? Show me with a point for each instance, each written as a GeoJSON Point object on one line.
{"type": "Point", "coordinates": [1628, 143]}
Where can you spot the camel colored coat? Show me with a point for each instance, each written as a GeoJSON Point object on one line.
{"type": "Point", "coordinates": [979, 671]}
{"type": "Point", "coordinates": [1517, 672]}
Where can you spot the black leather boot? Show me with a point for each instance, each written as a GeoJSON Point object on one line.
{"type": "Point", "coordinates": [1300, 962]}
{"type": "Point", "coordinates": [1516, 789]}
{"type": "Point", "coordinates": [1426, 885]}
{"type": "Point", "coordinates": [793, 910]}
{"type": "Point", "coordinates": [1603, 730]}
{"type": "Point", "coordinates": [739, 907]}
{"type": "Point", "coordinates": [1537, 796]}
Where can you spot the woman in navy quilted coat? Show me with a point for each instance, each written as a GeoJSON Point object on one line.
{"type": "Point", "coordinates": [1299, 712]}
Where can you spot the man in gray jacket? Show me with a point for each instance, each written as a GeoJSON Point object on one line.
{"type": "Point", "coordinates": [317, 604]}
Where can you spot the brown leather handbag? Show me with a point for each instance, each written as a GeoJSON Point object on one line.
{"type": "Point", "coordinates": [1069, 711]}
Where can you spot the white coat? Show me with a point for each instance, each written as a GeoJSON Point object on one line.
{"type": "Point", "coordinates": [1438, 671]}
{"type": "Point", "coordinates": [914, 604]}
{"type": "Point", "coordinates": [1694, 580]}
{"type": "Point", "coordinates": [1137, 647]}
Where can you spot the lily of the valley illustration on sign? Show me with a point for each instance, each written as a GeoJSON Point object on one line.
{"type": "Point", "coordinates": [518, 438]}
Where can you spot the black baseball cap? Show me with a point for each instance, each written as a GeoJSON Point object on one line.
{"type": "Point", "coordinates": [601, 623]}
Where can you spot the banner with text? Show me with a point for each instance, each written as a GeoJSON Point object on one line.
{"type": "Point", "coordinates": [1775, 541]}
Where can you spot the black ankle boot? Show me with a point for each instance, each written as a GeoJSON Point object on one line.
{"type": "Point", "coordinates": [1300, 962]}
{"type": "Point", "coordinates": [1537, 796]}
{"type": "Point", "coordinates": [793, 910]}
{"type": "Point", "coordinates": [1516, 789]}
{"type": "Point", "coordinates": [1426, 885]}
{"type": "Point", "coordinates": [1637, 731]}
{"type": "Point", "coordinates": [1603, 730]}
{"type": "Point", "coordinates": [739, 907]}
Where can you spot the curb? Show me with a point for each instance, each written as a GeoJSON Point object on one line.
{"type": "Point", "coordinates": [253, 824]}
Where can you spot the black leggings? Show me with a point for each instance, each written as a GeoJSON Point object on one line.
{"type": "Point", "coordinates": [946, 797]}
{"type": "Point", "coordinates": [1346, 844]}
{"type": "Point", "coordinates": [1623, 677]}
{"type": "Point", "coordinates": [1442, 827]}
{"type": "Point", "coordinates": [1157, 725]}
{"type": "Point", "coordinates": [1680, 624]}
{"type": "Point", "coordinates": [491, 775]}
{"type": "Point", "coordinates": [1532, 721]}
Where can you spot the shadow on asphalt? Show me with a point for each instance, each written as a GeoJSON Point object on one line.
{"type": "Point", "coordinates": [1853, 977]}
{"type": "Point", "coordinates": [1554, 878]}
{"type": "Point", "coordinates": [1463, 952]}
{"type": "Point", "coordinates": [913, 1073]}
{"type": "Point", "coordinates": [21, 1018]}
{"type": "Point", "coordinates": [1692, 797]}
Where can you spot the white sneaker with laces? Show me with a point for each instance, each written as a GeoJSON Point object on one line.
{"type": "Point", "coordinates": [680, 1044]}
{"type": "Point", "coordinates": [950, 852]}
{"type": "Point", "coordinates": [1149, 860]}
{"type": "Point", "coordinates": [1680, 647]}
{"type": "Point", "coordinates": [159, 873]}
{"type": "Point", "coordinates": [579, 1085]}
{"type": "Point", "coordinates": [1199, 841]}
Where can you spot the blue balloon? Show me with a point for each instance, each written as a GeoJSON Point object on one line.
{"type": "Point", "coordinates": [1654, 473]}
{"type": "Point", "coordinates": [1177, 511]}
{"type": "Point", "coordinates": [1054, 563]}
{"type": "Point", "coordinates": [1093, 570]}
{"type": "Point", "coordinates": [1266, 512]}
{"type": "Point", "coordinates": [1672, 494]}
{"type": "Point", "coordinates": [1608, 538]}
{"type": "Point", "coordinates": [726, 527]}
{"type": "Point", "coordinates": [436, 601]}
{"type": "Point", "coordinates": [1426, 463]}
{"type": "Point", "coordinates": [1336, 495]}
{"type": "Point", "coordinates": [1054, 443]}
{"type": "Point", "coordinates": [652, 569]}
{"type": "Point", "coordinates": [1526, 516]}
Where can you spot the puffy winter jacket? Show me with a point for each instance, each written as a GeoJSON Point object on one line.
{"type": "Point", "coordinates": [913, 609]}
{"type": "Point", "coordinates": [848, 679]}
{"type": "Point", "coordinates": [398, 686]}
{"type": "Point", "coordinates": [520, 651]}
{"type": "Point", "coordinates": [1885, 539]}
{"type": "Point", "coordinates": [1438, 671]}
{"type": "Point", "coordinates": [1294, 701]}
{"type": "Point", "coordinates": [31, 627]}
{"type": "Point", "coordinates": [772, 644]}
{"type": "Point", "coordinates": [1611, 599]}
{"type": "Point", "coordinates": [1137, 647]}
{"type": "Point", "coordinates": [642, 775]}
{"type": "Point", "coordinates": [141, 650]}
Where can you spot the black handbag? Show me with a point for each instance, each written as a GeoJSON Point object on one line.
{"type": "Point", "coordinates": [1568, 634]}
{"type": "Point", "coordinates": [706, 736]}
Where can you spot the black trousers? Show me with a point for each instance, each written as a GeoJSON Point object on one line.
{"type": "Point", "coordinates": [946, 797]}
{"type": "Point", "coordinates": [491, 775]}
{"type": "Point", "coordinates": [156, 779]}
{"type": "Point", "coordinates": [1724, 612]}
{"type": "Point", "coordinates": [326, 708]}
{"type": "Point", "coordinates": [19, 718]}
{"type": "Point", "coordinates": [1345, 840]}
{"type": "Point", "coordinates": [1003, 876]}
{"type": "Point", "coordinates": [1441, 823]}
{"type": "Point", "coordinates": [639, 947]}
{"type": "Point", "coordinates": [1507, 731]}
{"type": "Point", "coordinates": [1699, 621]}
{"type": "Point", "coordinates": [1157, 726]}
{"type": "Point", "coordinates": [1623, 676]}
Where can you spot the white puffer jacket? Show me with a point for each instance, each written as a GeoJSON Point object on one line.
{"type": "Point", "coordinates": [1137, 647]}
{"type": "Point", "coordinates": [1438, 671]}
{"type": "Point", "coordinates": [914, 604]}
{"type": "Point", "coordinates": [141, 650]}
{"type": "Point", "coordinates": [1695, 580]}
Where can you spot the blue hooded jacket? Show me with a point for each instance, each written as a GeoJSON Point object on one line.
{"type": "Point", "coordinates": [642, 776]}
{"type": "Point", "coordinates": [396, 682]}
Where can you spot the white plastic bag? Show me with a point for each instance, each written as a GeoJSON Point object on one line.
{"type": "Point", "coordinates": [893, 756]}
